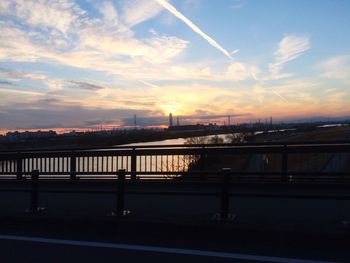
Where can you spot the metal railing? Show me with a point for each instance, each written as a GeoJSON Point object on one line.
{"type": "Point", "coordinates": [278, 163]}
{"type": "Point", "coordinates": [264, 162]}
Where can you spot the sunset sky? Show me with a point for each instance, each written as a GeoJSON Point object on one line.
{"type": "Point", "coordinates": [79, 64]}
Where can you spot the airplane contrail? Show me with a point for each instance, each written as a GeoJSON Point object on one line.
{"type": "Point", "coordinates": [195, 28]}
{"type": "Point", "coordinates": [280, 96]}
{"type": "Point", "coordinates": [149, 84]}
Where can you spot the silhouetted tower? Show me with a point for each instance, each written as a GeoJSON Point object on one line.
{"type": "Point", "coordinates": [135, 123]}
{"type": "Point", "coordinates": [170, 120]}
{"type": "Point", "coordinates": [177, 121]}
{"type": "Point", "coordinates": [271, 121]}
{"type": "Point", "coordinates": [229, 120]}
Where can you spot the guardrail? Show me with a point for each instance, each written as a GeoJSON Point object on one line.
{"type": "Point", "coordinates": [283, 164]}
{"type": "Point", "coordinates": [279, 162]}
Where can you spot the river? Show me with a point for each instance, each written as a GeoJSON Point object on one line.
{"type": "Point", "coordinates": [178, 141]}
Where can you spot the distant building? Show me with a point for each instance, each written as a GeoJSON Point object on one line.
{"type": "Point", "coordinates": [16, 136]}
{"type": "Point", "coordinates": [197, 127]}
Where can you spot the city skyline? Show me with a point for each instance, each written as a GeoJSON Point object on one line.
{"type": "Point", "coordinates": [75, 64]}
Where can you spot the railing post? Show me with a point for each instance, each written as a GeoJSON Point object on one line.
{"type": "Point", "coordinates": [133, 164]}
{"type": "Point", "coordinates": [225, 193]}
{"type": "Point", "coordinates": [73, 167]}
{"type": "Point", "coordinates": [19, 174]}
{"type": "Point", "coordinates": [120, 192]}
{"type": "Point", "coordinates": [203, 157]}
{"type": "Point", "coordinates": [34, 191]}
{"type": "Point", "coordinates": [284, 174]}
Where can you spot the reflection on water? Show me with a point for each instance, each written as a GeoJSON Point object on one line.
{"type": "Point", "coordinates": [169, 163]}
{"type": "Point", "coordinates": [178, 141]}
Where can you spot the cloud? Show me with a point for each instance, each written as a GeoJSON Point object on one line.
{"type": "Point", "coordinates": [211, 116]}
{"type": "Point", "coordinates": [60, 15]}
{"type": "Point", "coordinates": [56, 113]}
{"type": "Point", "coordinates": [109, 13]}
{"type": "Point", "coordinates": [98, 122]}
{"type": "Point", "coordinates": [237, 4]}
{"type": "Point", "coordinates": [54, 84]}
{"type": "Point", "coordinates": [85, 85]}
{"type": "Point", "coordinates": [337, 67]}
{"type": "Point", "coordinates": [238, 71]}
{"type": "Point", "coordinates": [5, 82]}
{"type": "Point", "coordinates": [136, 103]}
{"type": "Point", "coordinates": [20, 75]}
{"type": "Point", "coordinates": [289, 48]}
{"type": "Point", "coordinates": [97, 47]}
{"type": "Point", "coordinates": [138, 11]}
{"type": "Point", "coordinates": [195, 28]}
{"type": "Point", "coordinates": [14, 95]}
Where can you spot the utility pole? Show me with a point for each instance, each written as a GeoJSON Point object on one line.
{"type": "Point", "coordinates": [135, 123]}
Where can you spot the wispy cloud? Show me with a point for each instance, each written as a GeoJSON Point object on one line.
{"type": "Point", "coordinates": [5, 82]}
{"type": "Point", "coordinates": [85, 85]}
{"type": "Point", "coordinates": [57, 15]}
{"type": "Point", "coordinates": [138, 11]}
{"type": "Point", "coordinates": [236, 4]}
{"type": "Point", "coordinates": [109, 13]}
{"type": "Point", "coordinates": [195, 28]}
{"type": "Point", "coordinates": [337, 67]}
{"type": "Point", "coordinates": [20, 75]}
{"type": "Point", "coordinates": [238, 71]}
{"type": "Point", "coordinates": [289, 48]}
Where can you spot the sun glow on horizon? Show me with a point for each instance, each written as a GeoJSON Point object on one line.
{"type": "Point", "coordinates": [166, 109]}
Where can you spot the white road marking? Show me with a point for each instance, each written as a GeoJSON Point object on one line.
{"type": "Point", "coordinates": [155, 249]}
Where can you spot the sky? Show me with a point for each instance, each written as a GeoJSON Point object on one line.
{"type": "Point", "coordinates": [81, 64]}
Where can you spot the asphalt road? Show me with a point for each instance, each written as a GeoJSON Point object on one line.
{"type": "Point", "coordinates": [31, 249]}
{"type": "Point", "coordinates": [21, 251]}
{"type": "Point", "coordinates": [42, 240]}
{"type": "Point", "coordinates": [176, 228]}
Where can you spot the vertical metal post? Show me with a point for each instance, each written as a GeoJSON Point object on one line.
{"type": "Point", "coordinates": [34, 192]}
{"type": "Point", "coordinates": [133, 164]}
{"type": "Point", "coordinates": [73, 167]}
{"type": "Point", "coordinates": [120, 192]}
{"type": "Point", "coordinates": [284, 170]}
{"type": "Point", "coordinates": [203, 162]}
{"type": "Point", "coordinates": [19, 174]}
{"type": "Point", "coordinates": [225, 193]}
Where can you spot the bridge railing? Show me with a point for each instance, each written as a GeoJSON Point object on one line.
{"type": "Point", "coordinates": [198, 165]}
{"type": "Point", "coordinates": [263, 162]}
